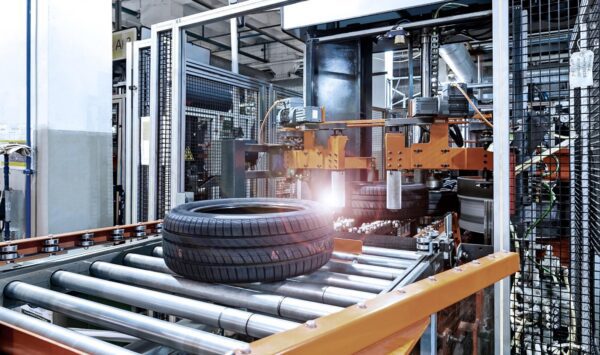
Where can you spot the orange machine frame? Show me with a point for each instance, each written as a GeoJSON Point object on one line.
{"type": "Point", "coordinates": [391, 322]}
{"type": "Point", "coordinates": [332, 157]}
{"type": "Point", "coordinates": [437, 154]}
{"type": "Point", "coordinates": [434, 155]}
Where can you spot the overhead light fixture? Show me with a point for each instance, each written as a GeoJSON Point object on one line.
{"type": "Point", "coordinates": [398, 33]}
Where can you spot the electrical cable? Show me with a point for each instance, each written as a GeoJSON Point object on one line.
{"type": "Point", "coordinates": [265, 119]}
{"type": "Point", "coordinates": [481, 115]}
{"type": "Point", "coordinates": [450, 6]}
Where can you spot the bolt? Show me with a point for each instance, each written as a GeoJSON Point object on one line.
{"type": "Point", "coordinates": [402, 292]}
{"type": "Point", "coordinates": [492, 256]}
{"type": "Point", "coordinates": [362, 305]}
{"type": "Point", "coordinates": [311, 324]}
{"type": "Point", "coordinates": [432, 278]}
{"type": "Point", "coordinates": [244, 351]}
{"type": "Point", "coordinates": [458, 269]}
{"type": "Point", "coordinates": [476, 262]}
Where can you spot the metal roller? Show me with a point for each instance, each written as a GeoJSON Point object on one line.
{"type": "Point", "coordinates": [61, 335]}
{"type": "Point", "coordinates": [232, 319]}
{"type": "Point", "coordinates": [374, 260]}
{"type": "Point", "coordinates": [326, 294]}
{"type": "Point", "coordinates": [147, 263]}
{"type": "Point", "coordinates": [391, 253]}
{"type": "Point", "coordinates": [378, 272]}
{"type": "Point", "coordinates": [161, 332]}
{"type": "Point", "coordinates": [308, 291]}
{"type": "Point", "coordinates": [352, 282]}
{"type": "Point", "coordinates": [158, 252]}
{"type": "Point", "coordinates": [228, 295]}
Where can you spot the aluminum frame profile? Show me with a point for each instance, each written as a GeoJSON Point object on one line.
{"type": "Point", "coordinates": [501, 144]}
{"type": "Point", "coordinates": [178, 72]}
{"type": "Point", "coordinates": [134, 132]}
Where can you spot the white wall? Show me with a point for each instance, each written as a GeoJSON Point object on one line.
{"type": "Point", "coordinates": [71, 108]}
{"type": "Point", "coordinates": [73, 95]}
{"type": "Point", "coordinates": [12, 70]}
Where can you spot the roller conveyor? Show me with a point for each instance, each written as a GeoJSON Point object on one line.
{"type": "Point", "coordinates": [138, 277]}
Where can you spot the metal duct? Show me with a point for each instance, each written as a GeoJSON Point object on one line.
{"type": "Point", "coordinates": [459, 60]}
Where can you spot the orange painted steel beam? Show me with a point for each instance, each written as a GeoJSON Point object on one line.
{"type": "Point", "coordinates": [437, 154]}
{"type": "Point", "coordinates": [15, 340]}
{"type": "Point", "coordinates": [347, 245]}
{"type": "Point", "coordinates": [402, 342]}
{"type": "Point", "coordinates": [358, 327]}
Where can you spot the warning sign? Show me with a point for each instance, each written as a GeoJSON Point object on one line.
{"type": "Point", "coordinates": [119, 42]}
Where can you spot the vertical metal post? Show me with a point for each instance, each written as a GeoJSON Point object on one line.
{"type": "Point", "coordinates": [177, 115]}
{"type": "Point", "coordinates": [425, 64]}
{"type": "Point", "coordinates": [118, 9]}
{"type": "Point", "coordinates": [338, 188]}
{"type": "Point", "coordinates": [234, 45]}
{"type": "Point", "coordinates": [28, 171]}
{"type": "Point", "coordinates": [6, 198]}
{"type": "Point", "coordinates": [429, 338]}
{"type": "Point", "coordinates": [411, 70]}
{"type": "Point", "coordinates": [501, 236]}
{"type": "Point", "coordinates": [128, 127]}
{"type": "Point", "coordinates": [394, 190]}
{"type": "Point", "coordinates": [233, 30]}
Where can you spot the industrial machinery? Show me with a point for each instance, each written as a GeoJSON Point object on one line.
{"type": "Point", "coordinates": [483, 137]}
{"type": "Point", "coordinates": [79, 278]}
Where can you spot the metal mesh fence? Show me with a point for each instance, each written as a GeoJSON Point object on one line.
{"type": "Point", "coordinates": [555, 141]}
{"type": "Point", "coordinates": [164, 122]}
{"type": "Point", "coordinates": [215, 111]}
{"type": "Point", "coordinates": [144, 111]}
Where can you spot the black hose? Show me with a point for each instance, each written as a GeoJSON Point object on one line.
{"type": "Point", "coordinates": [456, 135]}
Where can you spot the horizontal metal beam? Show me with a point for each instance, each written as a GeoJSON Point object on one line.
{"type": "Point", "coordinates": [225, 46]}
{"type": "Point", "coordinates": [377, 319]}
{"type": "Point", "coordinates": [410, 25]}
{"type": "Point", "coordinates": [280, 306]}
{"type": "Point", "coordinates": [241, 322]}
{"type": "Point", "coordinates": [225, 13]}
{"type": "Point", "coordinates": [152, 329]}
{"type": "Point", "coordinates": [55, 333]}
{"type": "Point", "coordinates": [255, 29]}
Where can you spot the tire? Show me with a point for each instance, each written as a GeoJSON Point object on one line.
{"type": "Point", "coordinates": [247, 240]}
{"type": "Point", "coordinates": [442, 201]}
{"type": "Point", "coordinates": [368, 202]}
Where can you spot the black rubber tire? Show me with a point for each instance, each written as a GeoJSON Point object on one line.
{"type": "Point", "coordinates": [442, 202]}
{"type": "Point", "coordinates": [247, 240]}
{"type": "Point", "coordinates": [368, 201]}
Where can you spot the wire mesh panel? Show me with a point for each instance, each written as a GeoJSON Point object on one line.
{"type": "Point", "coordinates": [215, 111]}
{"type": "Point", "coordinates": [165, 98]}
{"type": "Point", "coordinates": [144, 112]}
{"type": "Point", "coordinates": [377, 139]}
{"type": "Point", "coordinates": [555, 141]}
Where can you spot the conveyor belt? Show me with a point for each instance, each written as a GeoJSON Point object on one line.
{"type": "Point", "coordinates": [245, 312]}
